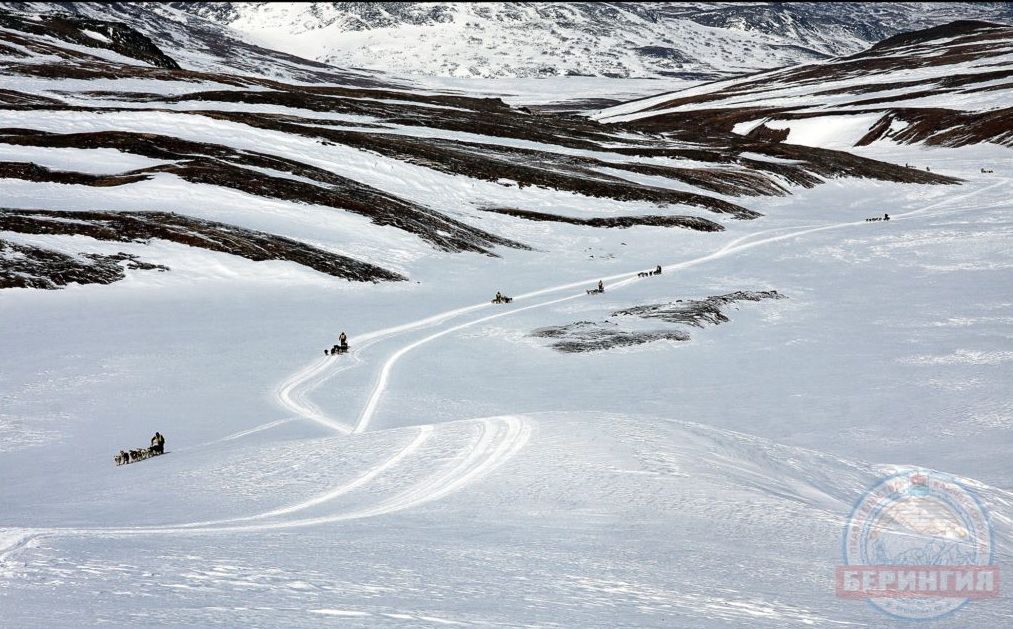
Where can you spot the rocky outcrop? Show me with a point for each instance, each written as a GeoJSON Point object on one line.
{"type": "Point", "coordinates": [589, 336]}
{"type": "Point", "coordinates": [37, 267]}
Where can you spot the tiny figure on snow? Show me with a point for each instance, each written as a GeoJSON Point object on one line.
{"type": "Point", "coordinates": [886, 217]}
{"type": "Point", "coordinates": [343, 341]}
{"type": "Point", "coordinates": [601, 287]}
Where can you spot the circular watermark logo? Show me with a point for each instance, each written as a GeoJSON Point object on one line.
{"type": "Point", "coordinates": [918, 546]}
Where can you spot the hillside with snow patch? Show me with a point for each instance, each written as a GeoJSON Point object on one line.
{"type": "Point", "coordinates": [946, 86]}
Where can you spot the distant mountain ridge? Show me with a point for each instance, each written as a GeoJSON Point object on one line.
{"type": "Point", "coordinates": [693, 40]}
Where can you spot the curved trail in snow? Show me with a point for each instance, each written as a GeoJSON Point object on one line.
{"type": "Point", "coordinates": [495, 440]}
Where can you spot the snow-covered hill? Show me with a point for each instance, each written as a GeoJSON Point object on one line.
{"type": "Point", "coordinates": [545, 39]}
{"type": "Point", "coordinates": [947, 86]}
{"type": "Point", "coordinates": [683, 449]}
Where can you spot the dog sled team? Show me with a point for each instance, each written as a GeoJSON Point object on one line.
{"type": "Point", "coordinates": [885, 217]}
{"type": "Point", "coordinates": [500, 298]}
{"type": "Point", "coordinates": [340, 347]}
{"type": "Point", "coordinates": [156, 448]}
{"type": "Point", "coordinates": [595, 291]}
{"type": "Point", "coordinates": [656, 271]}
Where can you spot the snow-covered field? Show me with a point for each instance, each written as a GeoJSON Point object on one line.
{"type": "Point", "coordinates": [452, 469]}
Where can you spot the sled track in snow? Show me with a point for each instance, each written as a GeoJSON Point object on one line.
{"type": "Point", "coordinates": [494, 440]}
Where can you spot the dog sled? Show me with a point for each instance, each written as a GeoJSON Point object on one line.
{"type": "Point", "coordinates": [341, 347]}
{"type": "Point", "coordinates": [501, 299]}
{"type": "Point", "coordinates": [139, 454]}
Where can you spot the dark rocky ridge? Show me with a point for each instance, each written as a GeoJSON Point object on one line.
{"type": "Point", "coordinates": [117, 37]}
{"type": "Point", "coordinates": [621, 222]}
{"type": "Point", "coordinates": [28, 266]}
{"type": "Point", "coordinates": [696, 312]}
{"type": "Point", "coordinates": [41, 268]}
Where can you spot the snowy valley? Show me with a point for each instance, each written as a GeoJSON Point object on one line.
{"type": "Point", "coordinates": [188, 222]}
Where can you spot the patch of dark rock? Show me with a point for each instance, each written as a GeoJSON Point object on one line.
{"type": "Point", "coordinates": [572, 106]}
{"type": "Point", "coordinates": [28, 266]}
{"type": "Point", "coordinates": [621, 222]}
{"type": "Point", "coordinates": [830, 163]}
{"type": "Point", "coordinates": [590, 336]}
{"type": "Point", "coordinates": [30, 171]}
{"type": "Point", "coordinates": [8, 51]}
{"type": "Point", "coordinates": [214, 236]}
{"type": "Point", "coordinates": [722, 181]}
{"type": "Point", "coordinates": [696, 312]}
{"type": "Point", "coordinates": [764, 133]}
{"type": "Point", "coordinates": [946, 127]}
{"type": "Point", "coordinates": [132, 262]}
{"type": "Point", "coordinates": [15, 98]}
{"type": "Point", "coordinates": [593, 338]}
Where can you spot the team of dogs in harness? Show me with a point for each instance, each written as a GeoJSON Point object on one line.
{"type": "Point", "coordinates": [885, 217]}
{"type": "Point", "coordinates": [156, 448]}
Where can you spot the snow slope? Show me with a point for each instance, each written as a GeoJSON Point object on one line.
{"type": "Point", "coordinates": [452, 469]}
